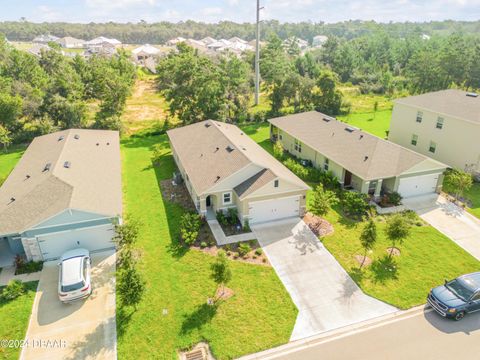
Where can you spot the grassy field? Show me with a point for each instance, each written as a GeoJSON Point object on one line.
{"type": "Point", "coordinates": [260, 314]}
{"type": "Point", "coordinates": [473, 195]}
{"type": "Point", "coordinates": [14, 317]}
{"type": "Point", "coordinates": [9, 159]}
{"type": "Point", "coordinates": [427, 256]}
{"type": "Point", "coordinates": [376, 124]}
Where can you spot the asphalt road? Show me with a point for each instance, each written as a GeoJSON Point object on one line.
{"type": "Point", "coordinates": [421, 335]}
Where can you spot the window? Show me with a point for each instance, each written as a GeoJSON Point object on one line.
{"type": "Point", "coordinates": [227, 198]}
{"type": "Point", "coordinates": [414, 139]}
{"type": "Point", "coordinates": [326, 164]}
{"type": "Point", "coordinates": [298, 146]}
{"type": "Point", "coordinates": [433, 147]}
{"type": "Point", "coordinates": [419, 116]}
{"type": "Point", "coordinates": [476, 297]}
{"type": "Point", "coordinates": [280, 137]}
{"type": "Point", "coordinates": [440, 122]}
{"type": "Point", "coordinates": [275, 183]}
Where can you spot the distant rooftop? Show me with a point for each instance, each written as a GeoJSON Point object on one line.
{"type": "Point", "coordinates": [457, 103]}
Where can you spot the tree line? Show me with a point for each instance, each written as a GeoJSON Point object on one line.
{"type": "Point", "coordinates": [39, 95]}
{"type": "Point", "coordinates": [160, 32]}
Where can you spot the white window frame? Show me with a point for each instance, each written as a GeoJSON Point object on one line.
{"type": "Point", "coordinates": [298, 145]}
{"type": "Point", "coordinates": [419, 116]}
{"type": "Point", "coordinates": [229, 193]}
{"type": "Point", "coordinates": [433, 145]}
{"type": "Point", "coordinates": [276, 183]}
{"type": "Point", "coordinates": [326, 164]}
{"type": "Point", "coordinates": [440, 122]}
{"type": "Point", "coordinates": [414, 140]}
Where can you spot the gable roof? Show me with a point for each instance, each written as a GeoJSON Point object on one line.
{"type": "Point", "coordinates": [211, 151]}
{"type": "Point", "coordinates": [68, 40]}
{"type": "Point", "coordinates": [82, 175]}
{"type": "Point", "coordinates": [147, 49]}
{"type": "Point", "coordinates": [254, 183]}
{"type": "Point", "coordinates": [103, 39]}
{"type": "Point", "coordinates": [451, 102]}
{"type": "Point", "coordinates": [361, 153]}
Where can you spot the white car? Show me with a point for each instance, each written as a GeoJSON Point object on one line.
{"type": "Point", "coordinates": [74, 275]}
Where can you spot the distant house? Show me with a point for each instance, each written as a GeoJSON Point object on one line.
{"type": "Point", "coordinates": [37, 49]}
{"type": "Point", "coordinates": [175, 41]}
{"type": "Point", "coordinates": [64, 193]}
{"type": "Point", "coordinates": [236, 39]}
{"type": "Point", "coordinates": [102, 49]}
{"type": "Point", "coordinates": [444, 125]}
{"type": "Point", "coordinates": [302, 44]}
{"type": "Point", "coordinates": [208, 40]}
{"type": "Point", "coordinates": [319, 40]}
{"type": "Point", "coordinates": [44, 39]}
{"type": "Point", "coordinates": [143, 52]}
{"type": "Point", "coordinates": [102, 40]}
{"type": "Point", "coordinates": [69, 42]}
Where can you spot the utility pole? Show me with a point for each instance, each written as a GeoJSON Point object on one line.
{"type": "Point", "coordinates": [257, 56]}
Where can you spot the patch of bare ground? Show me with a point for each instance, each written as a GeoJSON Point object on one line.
{"type": "Point", "coordinates": [177, 194]}
{"type": "Point", "coordinates": [361, 259]}
{"type": "Point", "coordinates": [393, 251]}
{"type": "Point", "coordinates": [318, 225]}
{"type": "Point", "coordinates": [145, 103]}
{"type": "Point", "coordinates": [223, 293]}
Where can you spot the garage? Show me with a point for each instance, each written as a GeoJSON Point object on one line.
{"type": "Point", "coordinates": [94, 238]}
{"type": "Point", "coordinates": [418, 185]}
{"type": "Point", "coordinates": [274, 209]}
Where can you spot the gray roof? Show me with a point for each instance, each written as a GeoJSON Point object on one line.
{"type": "Point", "coordinates": [91, 182]}
{"type": "Point", "coordinates": [254, 183]}
{"type": "Point", "coordinates": [203, 150]}
{"type": "Point", "coordinates": [450, 102]}
{"type": "Point", "coordinates": [361, 153]}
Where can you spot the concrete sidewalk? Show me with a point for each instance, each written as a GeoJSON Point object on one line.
{"type": "Point", "coordinates": [449, 219]}
{"type": "Point", "coordinates": [7, 274]}
{"type": "Point", "coordinates": [325, 295]}
{"type": "Point", "coordinates": [222, 239]}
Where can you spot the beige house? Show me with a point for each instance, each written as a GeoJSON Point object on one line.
{"type": "Point", "coordinates": [359, 160]}
{"type": "Point", "coordinates": [223, 168]}
{"type": "Point", "coordinates": [444, 125]}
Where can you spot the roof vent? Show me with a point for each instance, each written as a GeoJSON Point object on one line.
{"type": "Point", "coordinates": [61, 138]}
{"type": "Point", "coordinates": [216, 149]}
{"type": "Point", "coordinates": [472, 94]}
{"type": "Point", "coordinates": [12, 199]}
{"type": "Point", "coordinates": [349, 129]}
{"type": "Point", "coordinates": [67, 164]}
{"type": "Point", "coordinates": [27, 177]}
{"type": "Point", "coordinates": [361, 136]}
{"type": "Point", "coordinates": [326, 119]}
{"type": "Point", "coordinates": [207, 125]}
{"type": "Point", "coordinates": [108, 143]}
{"type": "Point", "coordinates": [218, 178]}
{"type": "Point", "coordinates": [229, 148]}
{"type": "Point", "coordinates": [366, 158]}
{"type": "Point", "coordinates": [76, 136]}
{"type": "Point", "coordinates": [97, 144]}
{"type": "Point", "coordinates": [47, 167]}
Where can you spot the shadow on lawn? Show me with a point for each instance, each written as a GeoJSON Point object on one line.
{"type": "Point", "coordinates": [384, 269]}
{"type": "Point", "coordinates": [202, 315]}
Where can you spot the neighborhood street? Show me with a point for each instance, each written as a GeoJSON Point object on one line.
{"type": "Point", "coordinates": [420, 334]}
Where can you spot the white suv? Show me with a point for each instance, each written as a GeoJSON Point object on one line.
{"type": "Point", "coordinates": [74, 275]}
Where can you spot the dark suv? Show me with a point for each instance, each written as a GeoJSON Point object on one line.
{"type": "Point", "coordinates": [457, 297]}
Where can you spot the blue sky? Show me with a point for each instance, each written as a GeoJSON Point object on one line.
{"type": "Point", "coordinates": [237, 10]}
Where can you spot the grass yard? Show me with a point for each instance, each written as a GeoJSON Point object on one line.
{"type": "Point", "coordinates": [14, 316]}
{"type": "Point", "coordinates": [473, 195]}
{"type": "Point", "coordinates": [260, 315]}
{"type": "Point", "coordinates": [376, 124]}
{"type": "Point", "coordinates": [428, 257]}
{"type": "Point", "coordinates": [9, 159]}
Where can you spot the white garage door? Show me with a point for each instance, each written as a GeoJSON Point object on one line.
{"type": "Point", "coordinates": [418, 185]}
{"type": "Point", "coordinates": [261, 211]}
{"type": "Point", "coordinates": [94, 238]}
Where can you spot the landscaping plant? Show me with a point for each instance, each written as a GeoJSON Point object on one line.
{"type": "Point", "coordinates": [220, 271]}
{"type": "Point", "coordinates": [397, 229]}
{"type": "Point", "coordinates": [322, 200]}
{"type": "Point", "coordinates": [130, 286]}
{"type": "Point", "coordinates": [278, 151]}
{"type": "Point", "coordinates": [189, 227]}
{"type": "Point", "coordinates": [13, 290]}
{"type": "Point", "coordinates": [244, 249]}
{"type": "Point", "coordinates": [459, 181]}
{"type": "Point", "coordinates": [368, 237]}
{"type": "Point", "coordinates": [232, 216]}
{"type": "Point", "coordinates": [354, 204]}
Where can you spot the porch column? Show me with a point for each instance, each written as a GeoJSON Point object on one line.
{"type": "Point", "coordinates": [203, 206]}
{"type": "Point", "coordinates": [365, 186]}
{"type": "Point", "coordinates": [378, 188]}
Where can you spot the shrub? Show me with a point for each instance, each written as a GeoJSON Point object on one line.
{"type": "Point", "coordinates": [244, 249]}
{"type": "Point", "coordinates": [322, 200]}
{"type": "Point", "coordinates": [258, 251]}
{"type": "Point", "coordinates": [22, 267]}
{"type": "Point", "coordinates": [203, 244]}
{"type": "Point", "coordinates": [130, 287]}
{"type": "Point", "coordinates": [127, 233]}
{"type": "Point", "coordinates": [222, 218]}
{"type": "Point", "coordinates": [232, 216]}
{"type": "Point", "coordinates": [329, 180]}
{"type": "Point", "coordinates": [354, 204]}
{"type": "Point", "coordinates": [246, 226]}
{"type": "Point", "coordinates": [278, 151]}
{"type": "Point", "coordinates": [394, 198]}
{"type": "Point", "coordinates": [13, 290]}
{"type": "Point", "coordinates": [296, 168]}
{"type": "Point", "coordinates": [458, 181]}
{"type": "Point", "coordinates": [228, 247]}
{"type": "Point", "coordinates": [189, 227]}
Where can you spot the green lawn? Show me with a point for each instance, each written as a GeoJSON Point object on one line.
{"type": "Point", "coordinates": [9, 159]}
{"type": "Point", "coordinates": [428, 257]}
{"type": "Point", "coordinates": [14, 316]}
{"type": "Point", "coordinates": [376, 124]}
{"type": "Point", "coordinates": [473, 195]}
{"type": "Point", "coordinates": [259, 316]}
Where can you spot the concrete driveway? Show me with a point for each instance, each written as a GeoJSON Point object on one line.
{"type": "Point", "coordinates": [449, 219]}
{"type": "Point", "coordinates": [325, 295]}
{"type": "Point", "coordinates": [81, 330]}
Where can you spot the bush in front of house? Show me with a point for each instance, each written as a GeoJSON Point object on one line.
{"type": "Point", "coordinates": [222, 218]}
{"type": "Point", "coordinates": [26, 267]}
{"type": "Point", "coordinates": [232, 215]}
{"type": "Point", "coordinates": [354, 204]}
{"type": "Point", "coordinates": [189, 227]}
{"type": "Point", "coordinates": [297, 168]}
{"type": "Point", "coordinates": [246, 226]}
{"type": "Point", "coordinates": [278, 151]}
{"type": "Point", "coordinates": [243, 249]}
{"type": "Point", "coordinates": [394, 198]}
{"type": "Point", "coordinates": [258, 252]}
{"type": "Point", "coordinates": [13, 290]}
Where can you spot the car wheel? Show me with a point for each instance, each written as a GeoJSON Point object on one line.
{"type": "Point", "coordinates": [460, 315]}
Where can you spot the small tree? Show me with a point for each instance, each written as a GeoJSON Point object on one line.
{"type": "Point", "coordinates": [14, 289]}
{"type": "Point", "coordinates": [221, 272]}
{"type": "Point", "coordinates": [278, 151]}
{"type": "Point", "coordinates": [189, 227]}
{"type": "Point", "coordinates": [126, 234]}
{"type": "Point", "coordinates": [397, 230]}
{"type": "Point", "coordinates": [368, 237]}
{"type": "Point", "coordinates": [130, 286]}
{"type": "Point", "coordinates": [5, 138]}
{"type": "Point", "coordinates": [459, 181]}
{"type": "Point", "coordinates": [322, 200]}
{"type": "Point", "coordinates": [354, 204]}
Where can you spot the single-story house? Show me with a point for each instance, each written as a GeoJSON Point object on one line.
{"type": "Point", "coordinates": [358, 159]}
{"type": "Point", "coordinates": [69, 42]}
{"type": "Point", "coordinates": [37, 49]}
{"type": "Point", "coordinates": [65, 192]}
{"type": "Point", "coordinates": [102, 39]}
{"type": "Point", "coordinates": [44, 39]}
{"type": "Point", "coordinates": [144, 52]}
{"type": "Point", "coordinates": [224, 168]}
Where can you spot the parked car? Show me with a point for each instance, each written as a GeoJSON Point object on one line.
{"type": "Point", "coordinates": [457, 297]}
{"type": "Point", "coordinates": [74, 275]}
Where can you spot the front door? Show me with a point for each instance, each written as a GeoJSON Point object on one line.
{"type": "Point", "coordinates": [347, 181]}
{"type": "Point", "coordinates": [209, 201]}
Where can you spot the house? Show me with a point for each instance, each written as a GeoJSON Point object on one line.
{"type": "Point", "coordinates": [37, 49]}
{"type": "Point", "coordinates": [103, 40]}
{"type": "Point", "coordinates": [208, 40]}
{"type": "Point", "coordinates": [70, 42]}
{"type": "Point", "coordinates": [444, 125]}
{"type": "Point", "coordinates": [224, 168]}
{"type": "Point", "coordinates": [103, 49]}
{"type": "Point", "coordinates": [358, 160]}
{"type": "Point", "coordinates": [175, 41]}
{"type": "Point", "coordinates": [302, 44]}
{"type": "Point", "coordinates": [44, 39]}
{"type": "Point", "coordinates": [319, 40]}
{"type": "Point", "coordinates": [65, 192]}
{"type": "Point", "coordinates": [236, 39]}
{"type": "Point", "coordinates": [144, 52]}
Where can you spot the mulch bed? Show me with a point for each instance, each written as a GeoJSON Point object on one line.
{"type": "Point", "coordinates": [318, 225]}
{"type": "Point", "coordinates": [224, 294]}
{"type": "Point", "coordinates": [359, 259]}
{"type": "Point", "coordinates": [177, 194]}
{"type": "Point", "coordinates": [393, 251]}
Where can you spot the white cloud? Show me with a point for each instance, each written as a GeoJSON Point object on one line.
{"type": "Point", "coordinates": [209, 11]}
{"type": "Point", "coordinates": [48, 14]}
{"type": "Point", "coordinates": [118, 4]}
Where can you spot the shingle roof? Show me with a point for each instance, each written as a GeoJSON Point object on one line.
{"type": "Point", "coordinates": [91, 182]}
{"type": "Point", "coordinates": [254, 183]}
{"type": "Point", "coordinates": [204, 151]}
{"type": "Point", "coordinates": [363, 154]}
{"type": "Point", "coordinates": [450, 102]}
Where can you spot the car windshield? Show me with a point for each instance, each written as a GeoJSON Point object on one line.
{"type": "Point", "coordinates": [73, 287]}
{"type": "Point", "coordinates": [460, 289]}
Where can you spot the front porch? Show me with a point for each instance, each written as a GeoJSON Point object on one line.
{"type": "Point", "coordinates": [7, 256]}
